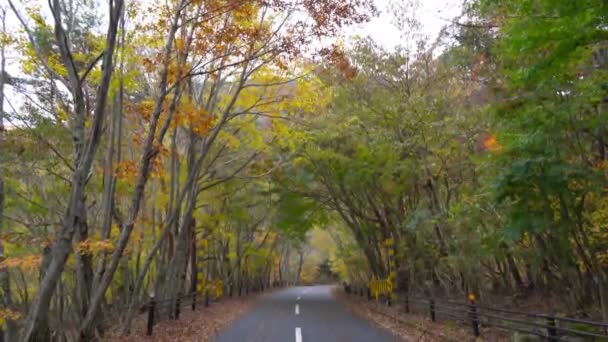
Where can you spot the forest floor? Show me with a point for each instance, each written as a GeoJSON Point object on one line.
{"type": "Point", "coordinates": [413, 327]}
{"type": "Point", "coordinates": [200, 325]}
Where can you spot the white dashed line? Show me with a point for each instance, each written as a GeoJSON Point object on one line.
{"type": "Point", "coordinates": [297, 309]}
{"type": "Point", "coordinates": [299, 297]}
{"type": "Point", "coordinates": [298, 335]}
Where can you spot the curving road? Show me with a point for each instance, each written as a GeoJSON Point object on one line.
{"type": "Point", "coordinates": [302, 314]}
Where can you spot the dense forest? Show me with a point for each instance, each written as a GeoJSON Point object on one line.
{"type": "Point", "coordinates": [141, 139]}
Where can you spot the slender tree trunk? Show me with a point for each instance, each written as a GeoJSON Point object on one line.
{"type": "Point", "coordinates": [84, 264]}
{"type": "Point", "coordinates": [300, 264]}
{"type": "Point", "coordinates": [515, 272]}
{"type": "Point", "coordinates": [113, 151]}
{"type": "Point", "coordinates": [150, 151]}
{"type": "Point", "coordinates": [174, 282]}
{"type": "Point", "coordinates": [37, 317]}
{"type": "Point", "coordinates": [193, 263]}
{"type": "Point", "coordinates": [5, 282]}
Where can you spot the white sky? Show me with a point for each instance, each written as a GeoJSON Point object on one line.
{"type": "Point", "coordinates": [432, 15]}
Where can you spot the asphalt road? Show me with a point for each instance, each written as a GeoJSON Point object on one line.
{"type": "Point", "coordinates": [302, 314]}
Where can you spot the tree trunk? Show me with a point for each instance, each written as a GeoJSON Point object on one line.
{"type": "Point", "coordinates": [602, 284]}
{"type": "Point", "coordinates": [38, 315]}
{"type": "Point", "coordinates": [515, 272]}
{"type": "Point", "coordinates": [300, 264]}
{"type": "Point", "coordinates": [84, 264]}
{"type": "Point", "coordinates": [5, 282]}
{"type": "Point", "coordinates": [150, 152]}
{"type": "Point", "coordinates": [174, 283]}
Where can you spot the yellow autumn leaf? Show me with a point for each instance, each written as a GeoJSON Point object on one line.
{"type": "Point", "coordinates": [94, 247]}
{"type": "Point", "coordinates": [25, 263]}
{"type": "Point", "coordinates": [229, 139]}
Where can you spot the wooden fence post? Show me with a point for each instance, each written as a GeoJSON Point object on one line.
{"type": "Point", "coordinates": [151, 306]}
{"type": "Point", "coordinates": [206, 297]}
{"type": "Point", "coordinates": [474, 316]}
{"type": "Point", "coordinates": [407, 304]}
{"type": "Point", "coordinates": [551, 329]}
{"type": "Point", "coordinates": [193, 300]}
{"type": "Point", "coordinates": [432, 309]}
{"type": "Point", "coordinates": [177, 305]}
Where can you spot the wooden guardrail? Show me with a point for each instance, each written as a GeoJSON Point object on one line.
{"type": "Point", "coordinates": [470, 313]}
{"type": "Point", "coordinates": [171, 308]}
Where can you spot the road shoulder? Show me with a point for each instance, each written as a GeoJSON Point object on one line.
{"type": "Point", "coordinates": [405, 326]}
{"type": "Point", "coordinates": [200, 325]}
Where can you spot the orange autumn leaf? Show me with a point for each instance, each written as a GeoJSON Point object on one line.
{"type": "Point", "coordinates": [8, 315]}
{"type": "Point", "coordinates": [490, 143]}
{"type": "Point", "coordinates": [189, 115]}
{"type": "Point", "coordinates": [90, 247]}
{"type": "Point", "coordinates": [148, 64]}
{"type": "Point", "coordinates": [25, 263]}
{"type": "Point", "coordinates": [126, 170]}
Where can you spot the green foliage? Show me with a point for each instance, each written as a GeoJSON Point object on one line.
{"type": "Point", "coordinates": [296, 215]}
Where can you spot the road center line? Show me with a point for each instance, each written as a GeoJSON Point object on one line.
{"type": "Point", "coordinates": [299, 297]}
{"type": "Point", "coordinates": [298, 335]}
{"type": "Point", "coordinates": [297, 309]}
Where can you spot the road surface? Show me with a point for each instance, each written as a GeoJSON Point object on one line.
{"type": "Point", "coordinates": [302, 314]}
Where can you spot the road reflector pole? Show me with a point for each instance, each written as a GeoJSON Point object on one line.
{"type": "Point", "coordinates": [150, 325]}
{"type": "Point", "coordinates": [474, 316]}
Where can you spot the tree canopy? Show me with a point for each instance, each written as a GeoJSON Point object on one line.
{"type": "Point", "coordinates": [141, 140]}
